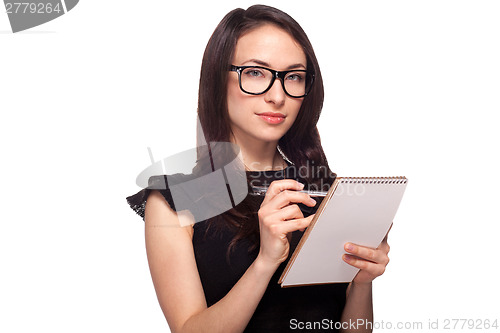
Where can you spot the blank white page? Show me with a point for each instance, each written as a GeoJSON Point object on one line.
{"type": "Point", "coordinates": [361, 211]}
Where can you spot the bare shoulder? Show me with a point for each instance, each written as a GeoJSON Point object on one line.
{"type": "Point", "coordinates": [159, 214]}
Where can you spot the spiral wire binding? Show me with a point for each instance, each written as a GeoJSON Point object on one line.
{"type": "Point", "coordinates": [374, 180]}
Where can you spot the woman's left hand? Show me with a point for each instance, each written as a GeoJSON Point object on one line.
{"type": "Point", "coordinates": [371, 262]}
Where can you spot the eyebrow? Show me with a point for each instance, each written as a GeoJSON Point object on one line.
{"type": "Point", "coordinates": [265, 64]}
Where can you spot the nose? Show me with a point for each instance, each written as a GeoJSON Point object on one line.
{"type": "Point", "coordinates": [276, 94]}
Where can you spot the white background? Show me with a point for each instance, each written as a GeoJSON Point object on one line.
{"type": "Point", "coordinates": [412, 88]}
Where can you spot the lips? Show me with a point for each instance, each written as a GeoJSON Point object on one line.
{"type": "Point", "coordinates": [272, 117]}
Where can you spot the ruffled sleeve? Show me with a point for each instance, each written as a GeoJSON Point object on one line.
{"type": "Point", "coordinates": [138, 201]}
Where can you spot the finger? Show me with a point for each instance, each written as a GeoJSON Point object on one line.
{"type": "Point", "coordinates": [384, 246]}
{"type": "Point", "coordinates": [286, 213]}
{"type": "Point", "coordinates": [278, 186]}
{"type": "Point", "coordinates": [367, 253]}
{"type": "Point", "coordinates": [311, 216]}
{"type": "Point", "coordinates": [290, 212]}
{"type": "Point", "coordinates": [287, 197]}
{"type": "Point", "coordinates": [365, 265]}
{"type": "Point", "coordinates": [291, 225]}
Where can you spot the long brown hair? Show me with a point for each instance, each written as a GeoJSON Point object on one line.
{"type": "Point", "coordinates": [301, 144]}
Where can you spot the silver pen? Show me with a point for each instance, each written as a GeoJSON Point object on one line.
{"type": "Point", "coordinates": [261, 190]}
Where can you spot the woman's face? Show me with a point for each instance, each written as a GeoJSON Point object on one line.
{"type": "Point", "coordinates": [266, 117]}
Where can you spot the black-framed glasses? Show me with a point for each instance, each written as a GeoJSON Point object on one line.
{"type": "Point", "coordinates": [257, 80]}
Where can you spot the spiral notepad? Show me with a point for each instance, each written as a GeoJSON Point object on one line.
{"type": "Point", "coordinates": [356, 209]}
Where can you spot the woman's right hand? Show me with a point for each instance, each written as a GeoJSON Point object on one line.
{"type": "Point", "coordinates": [280, 215]}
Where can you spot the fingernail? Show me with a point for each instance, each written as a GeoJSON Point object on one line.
{"type": "Point", "coordinates": [312, 201]}
{"type": "Point", "coordinates": [301, 186]}
{"type": "Point", "coordinates": [347, 257]}
{"type": "Point", "coordinates": [349, 247]}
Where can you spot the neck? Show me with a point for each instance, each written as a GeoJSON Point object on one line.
{"type": "Point", "coordinates": [260, 156]}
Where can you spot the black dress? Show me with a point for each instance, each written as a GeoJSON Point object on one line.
{"type": "Point", "coordinates": [280, 309]}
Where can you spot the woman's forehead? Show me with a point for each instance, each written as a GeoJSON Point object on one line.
{"type": "Point", "coordinates": [271, 45]}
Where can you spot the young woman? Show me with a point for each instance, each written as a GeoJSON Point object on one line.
{"type": "Point", "coordinates": [260, 88]}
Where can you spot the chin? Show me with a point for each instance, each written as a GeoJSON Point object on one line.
{"type": "Point", "coordinates": [270, 138]}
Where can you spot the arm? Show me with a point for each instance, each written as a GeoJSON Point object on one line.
{"type": "Point", "coordinates": [176, 278]}
{"type": "Point", "coordinates": [359, 305]}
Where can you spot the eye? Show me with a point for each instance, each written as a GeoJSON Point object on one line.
{"type": "Point", "coordinates": [295, 76]}
{"type": "Point", "coordinates": [253, 72]}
